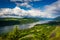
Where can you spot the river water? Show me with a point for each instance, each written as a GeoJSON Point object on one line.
{"type": "Point", "coordinates": [23, 26]}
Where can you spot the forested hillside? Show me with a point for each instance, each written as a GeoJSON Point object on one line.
{"type": "Point", "coordinates": [16, 21]}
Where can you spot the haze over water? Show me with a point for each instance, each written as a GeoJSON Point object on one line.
{"type": "Point", "coordinates": [23, 26]}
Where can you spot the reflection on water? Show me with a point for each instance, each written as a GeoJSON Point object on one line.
{"type": "Point", "coordinates": [23, 26]}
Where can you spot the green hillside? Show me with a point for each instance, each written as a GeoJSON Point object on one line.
{"type": "Point", "coordinates": [57, 18]}
{"type": "Point", "coordinates": [16, 21]}
{"type": "Point", "coordinates": [46, 31]}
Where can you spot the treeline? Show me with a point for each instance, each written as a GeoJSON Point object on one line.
{"type": "Point", "coordinates": [15, 21]}
{"type": "Point", "coordinates": [8, 23]}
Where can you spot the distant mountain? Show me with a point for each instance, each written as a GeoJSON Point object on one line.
{"type": "Point", "coordinates": [57, 18]}
{"type": "Point", "coordinates": [39, 18]}
{"type": "Point", "coordinates": [29, 16]}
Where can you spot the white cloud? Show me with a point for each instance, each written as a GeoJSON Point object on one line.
{"type": "Point", "coordinates": [16, 11]}
{"type": "Point", "coordinates": [25, 4]}
{"type": "Point", "coordinates": [50, 11]}
{"type": "Point", "coordinates": [53, 9]}
{"type": "Point", "coordinates": [21, 12]}
{"type": "Point", "coordinates": [25, 0]}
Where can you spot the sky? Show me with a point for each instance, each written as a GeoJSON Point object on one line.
{"type": "Point", "coordinates": [30, 8]}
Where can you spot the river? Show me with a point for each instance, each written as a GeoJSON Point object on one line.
{"type": "Point", "coordinates": [23, 26]}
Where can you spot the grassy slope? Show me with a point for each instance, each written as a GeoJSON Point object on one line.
{"type": "Point", "coordinates": [38, 32]}
{"type": "Point", "coordinates": [56, 33]}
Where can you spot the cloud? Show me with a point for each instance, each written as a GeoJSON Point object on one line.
{"type": "Point", "coordinates": [12, 12]}
{"type": "Point", "coordinates": [25, 4]}
{"type": "Point", "coordinates": [50, 11]}
{"type": "Point", "coordinates": [25, 0]}
{"type": "Point", "coordinates": [18, 12]}
{"type": "Point", "coordinates": [53, 9]}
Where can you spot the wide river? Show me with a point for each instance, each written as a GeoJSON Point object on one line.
{"type": "Point", "coordinates": [23, 26]}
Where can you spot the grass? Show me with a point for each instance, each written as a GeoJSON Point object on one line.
{"type": "Point", "coordinates": [38, 32]}
{"type": "Point", "coordinates": [56, 35]}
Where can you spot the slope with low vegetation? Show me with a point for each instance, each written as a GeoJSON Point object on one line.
{"type": "Point", "coordinates": [46, 31]}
